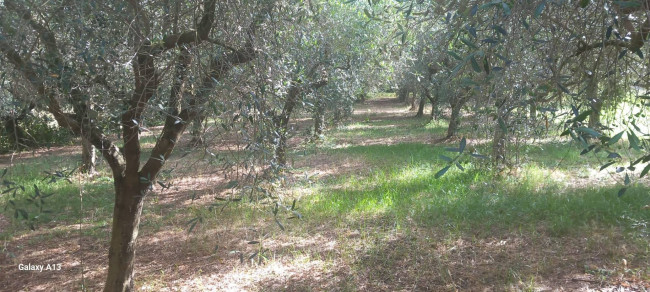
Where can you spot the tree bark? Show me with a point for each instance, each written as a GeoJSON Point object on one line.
{"type": "Point", "coordinates": [499, 145]}
{"type": "Point", "coordinates": [130, 182]}
{"type": "Point", "coordinates": [500, 139]}
{"type": "Point", "coordinates": [281, 150]}
{"type": "Point", "coordinates": [126, 221]}
{"type": "Point", "coordinates": [15, 133]}
{"type": "Point", "coordinates": [594, 117]}
{"type": "Point", "coordinates": [402, 93]}
{"type": "Point", "coordinates": [453, 119]}
{"type": "Point", "coordinates": [282, 123]}
{"type": "Point", "coordinates": [88, 157]}
{"type": "Point", "coordinates": [319, 116]}
{"type": "Point", "coordinates": [595, 103]}
{"type": "Point", "coordinates": [421, 108]}
{"type": "Point", "coordinates": [433, 100]}
{"type": "Point", "coordinates": [198, 130]}
{"type": "Point", "coordinates": [413, 101]}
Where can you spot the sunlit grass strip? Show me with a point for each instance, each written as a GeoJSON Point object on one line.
{"type": "Point", "coordinates": [476, 201]}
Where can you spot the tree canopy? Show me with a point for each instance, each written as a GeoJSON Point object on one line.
{"type": "Point", "coordinates": [109, 71]}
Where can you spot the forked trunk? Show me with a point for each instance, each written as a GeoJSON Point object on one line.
{"type": "Point", "coordinates": [282, 124]}
{"type": "Point", "coordinates": [433, 101]}
{"type": "Point", "coordinates": [17, 136]}
{"type": "Point", "coordinates": [126, 219]}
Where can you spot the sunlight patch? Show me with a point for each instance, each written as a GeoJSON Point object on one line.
{"type": "Point", "coordinates": [366, 126]}
{"type": "Point", "coordinates": [414, 172]}
{"type": "Point", "coordinates": [273, 276]}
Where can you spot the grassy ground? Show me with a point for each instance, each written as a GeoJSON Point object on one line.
{"type": "Point", "coordinates": [374, 218]}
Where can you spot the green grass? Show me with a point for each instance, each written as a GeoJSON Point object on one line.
{"type": "Point", "coordinates": [63, 206]}
{"type": "Point", "coordinates": [386, 128]}
{"type": "Point", "coordinates": [397, 182]}
{"type": "Point", "coordinates": [473, 201]}
{"type": "Point", "coordinates": [389, 208]}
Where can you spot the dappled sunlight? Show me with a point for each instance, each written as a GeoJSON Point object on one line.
{"type": "Point", "coordinates": [293, 262]}
{"type": "Point", "coordinates": [373, 205]}
{"type": "Point", "coordinates": [274, 276]}
{"type": "Point", "coordinates": [187, 190]}
{"type": "Point", "coordinates": [579, 177]}
{"type": "Point", "coordinates": [365, 126]}
{"type": "Point", "coordinates": [381, 107]}
{"type": "Point", "coordinates": [386, 141]}
{"type": "Point", "coordinates": [58, 154]}
{"type": "Point", "coordinates": [62, 247]}
{"type": "Point", "coordinates": [414, 172]}
{"type": "Point", "coordinates": [323, 166]}
{"type": "Point", "coordinates": [468, 199]}
{"type": "Point", "coordinates": [324, 145]}
{"type": "Point", "coordinates": [374, 218]}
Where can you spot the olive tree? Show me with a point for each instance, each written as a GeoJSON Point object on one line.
{"type": "Point", "coordinates": [91, 62]}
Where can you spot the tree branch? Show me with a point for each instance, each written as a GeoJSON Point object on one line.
{"type": "Point", "coordinates": [219, 67]}
{"type": "Point", "coordinates": [146, 83]}
{"type": "Point", "coordinates": [95, 136]}
{"type": "Point", "coordinates": [201, 33]}
{"type": "Point", "coordinates": [616, 43]}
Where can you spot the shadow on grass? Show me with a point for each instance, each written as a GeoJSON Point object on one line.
{"type": "Point", "coordinates": [63, 206]}
{"type": "Point", "coordinates": [469, 231]}
{"type": "Point", "coordinates": [472, 201]}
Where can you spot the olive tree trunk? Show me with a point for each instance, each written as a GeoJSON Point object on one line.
{"type": "Point", "coordinates": [402, 93]}
{"type": "Point", "coordinates": [596, 105]}
{"type": "Point", "coordinates": [421, 107]}
{"type": "Point", "coordinates": [319, 119]}
{"type": "Point", "coordinates": [499, 145]}
{"type": "Point", "coordinates": [16, 135]}
{"type": "Point", "coordinates": [88, 157]}
{"type": "Point", "coordinates": [500, 139]}
{"type": "Point", "coordinates": [413, 101]}
{"type": "Point", "coordinates": [454, 119]}
{"type": "Point", "coordinates": [432, 99]}
{"type": "Point", "coordinates": [131, 181]}
{"type": "Point", "coordinates": [124, 232]}
{"type": "Point", "coordinates": [282, 123]}
{"type": "Point", "coordinates": [198, 131]}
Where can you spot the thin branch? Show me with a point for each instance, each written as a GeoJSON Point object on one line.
{"type": "Point", "coordinates": [95, 136]}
